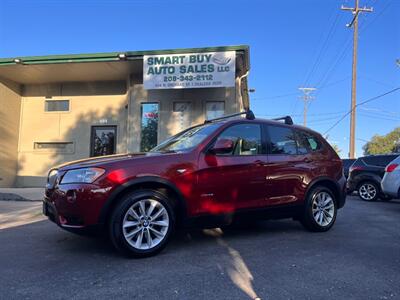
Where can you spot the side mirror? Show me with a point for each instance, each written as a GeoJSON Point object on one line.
{"type": "Point", "coordinates": [222, 146]}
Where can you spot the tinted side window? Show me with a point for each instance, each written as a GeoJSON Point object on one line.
{"type": "Point", "coordinates": [383, 161]}
{"type": "Point", "coordinates": [369, 160]}
{"type": "Point", "coordinates": [303, 145]}
{"type": "Point", "coordinates": [282, 140]}
{"type": "Point", "coordinates": [376, 161]}
{"type": "Point", "coordinates": [246, 139]}
{"type": "Point", "coordinates": [313, 142]}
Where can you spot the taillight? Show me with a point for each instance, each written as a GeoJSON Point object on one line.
{"type": "Point", "coordinates": [391, 167]}
{"type": "Point", "coordinates": [356, 168]}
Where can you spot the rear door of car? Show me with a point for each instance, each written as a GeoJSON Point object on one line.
{"type": "Point", "coordinates": [291, 164]}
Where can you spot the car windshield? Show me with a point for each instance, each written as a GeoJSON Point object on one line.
{"type": "Point", "coordinates": [186, 140]}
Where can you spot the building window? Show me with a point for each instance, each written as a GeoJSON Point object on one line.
{"type": "Point", "coordinates": [215, 109]}
{"type": "Point", "coordinates": [103, 140]}
{"type": "Point", "coordinates": [149, 130]}
{"type": "Point", "coordinates": [56, 105]}
{"type": "Point", "coordinates": [62, 147]}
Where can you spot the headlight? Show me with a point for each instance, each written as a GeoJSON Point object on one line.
{"type": "Point", "coordinates": [84, 175]}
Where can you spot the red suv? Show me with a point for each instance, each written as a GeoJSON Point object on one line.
{"type": "Point", "coordinates": [207, 175]}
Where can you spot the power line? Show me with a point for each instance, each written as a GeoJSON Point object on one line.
{"type": "Point", "coordinates": [379, 96]}
{"type": "Point", "coordinates": [294, 115]}
{"type": "Point", "coordinates": [379, 117]}
{"type": "Point", "coordinates": [329, 85]}
{"type": "Point", "coordinates": [363, 28]}
{"type": "Point", "coordinates": [323, 48]}
{"type": "Point", "coordinates": [334, 64]}
{"type": "Point", "coordinates": [293, 94]}
{"type": "Point", "coordinates": [317, 121]}
{"type": "Point", "coordinates": [359, 104]}
{"type": "Point", "coordinates": [276, 96]}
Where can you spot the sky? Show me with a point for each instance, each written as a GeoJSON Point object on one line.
{"type": "Point", "coordinates": [293, 43]}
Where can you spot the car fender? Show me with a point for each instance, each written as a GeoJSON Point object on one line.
{"type": "Point", "coordinates": [137, 182]}
{"type": "Point", "coordinates": [367, 176]}
{"type": "Point", "coordinates": [339, 190]}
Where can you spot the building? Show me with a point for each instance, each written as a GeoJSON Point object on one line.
{"type": "Point", "coordinates": [55, 109]}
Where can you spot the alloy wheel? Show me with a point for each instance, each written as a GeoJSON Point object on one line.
{"type": "Point", "coordinates": [145, 224]}
{"type": "Point", "coordinates": [323, 208]}
{"type": "Point", "coordinates": [367, 191]}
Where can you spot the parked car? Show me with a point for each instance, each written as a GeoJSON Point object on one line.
{"type": "Point", "coordinates": [391, 180]}
{"type": "Point", "coordinates": [347, 162]}
{"type": "Point", "coordinates": [366, 175]}
{"type": "Point", "coordinates": [207, 175]}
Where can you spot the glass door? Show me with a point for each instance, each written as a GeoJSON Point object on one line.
{"type": "Point", "coordinates": [103, 140]}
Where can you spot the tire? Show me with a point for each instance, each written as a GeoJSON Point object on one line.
{"type": "Point", "coordinates": [320, 210]}
{"type": "Point", "coordinates": [139, 234]}
{"type": "Point", "coordinates": [368, 191]}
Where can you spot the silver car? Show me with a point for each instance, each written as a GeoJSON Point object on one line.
{"type": "Point", "coordinates": [391, 180]}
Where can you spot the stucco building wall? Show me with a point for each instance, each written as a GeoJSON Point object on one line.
{"type": "Point", "coordinates": [91, 104]}
{"type": "Point", "coordinates": [10, 107]}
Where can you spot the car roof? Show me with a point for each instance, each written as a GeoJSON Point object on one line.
{"type": "Point", "coordinates": [380, 155]}
{"type": "Point", "coordinates": [264, 121]}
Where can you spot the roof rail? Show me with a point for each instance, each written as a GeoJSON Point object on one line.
{"type": "Point", "coordinates": [287, 119]}
{"type": "Point", "coordinates": [249, 116]}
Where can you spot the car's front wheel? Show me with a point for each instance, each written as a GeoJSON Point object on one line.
{"type": "Point", "coordinates": [320, 209]}
{"type": "Point", "coordinates": [368, 191]}
{"type": "Point", "coordinates": [142, 223]}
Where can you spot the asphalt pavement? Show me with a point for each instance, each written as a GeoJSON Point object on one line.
{"type": "Point", "coordinates": [359, 258]}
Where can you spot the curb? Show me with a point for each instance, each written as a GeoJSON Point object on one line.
{"type": "Point", "coordinates": [15, 197]}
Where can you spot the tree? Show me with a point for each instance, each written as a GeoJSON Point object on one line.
{"type": "Point", "coordinates": [336, 148]}
{"type": "Point", "coordinates": [382, 144]}
{"type": "Point", "coordinates": [149, 132]}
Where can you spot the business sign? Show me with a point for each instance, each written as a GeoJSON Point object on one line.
{"type": "Point", "coordinates": [189, 70]}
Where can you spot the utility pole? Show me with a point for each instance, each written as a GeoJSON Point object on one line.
{"type": "Point", "coordinates": [354, 23]}
{"type": "Point", "coordinates": [306, 97]}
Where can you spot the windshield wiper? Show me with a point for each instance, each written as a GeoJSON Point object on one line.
{"type": "Point", "coordinates": [165, 151]}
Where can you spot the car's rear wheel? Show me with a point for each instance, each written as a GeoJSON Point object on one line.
{"type": "Point", "coordinates": [141, 225]}
{"type": "Point", "coordinates": [368, 191]}
{"type": "Point", "coordinates": [320, 209]}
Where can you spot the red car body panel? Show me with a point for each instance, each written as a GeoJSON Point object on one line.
{"type": "Point", "coordinates": [208, 184]}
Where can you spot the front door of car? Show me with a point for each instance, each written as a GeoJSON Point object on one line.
{"type": "Point", "coordinates": [289, 166]}
{"type": "Point", "coordinates": [234, 179]}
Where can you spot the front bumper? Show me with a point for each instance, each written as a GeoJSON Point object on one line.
{"type": "Point", "coordinates": [75, 205]}
{"type": "Point", "coordinates": [351, 186]}
{"type": "Point", "coordinates": [50, 211]}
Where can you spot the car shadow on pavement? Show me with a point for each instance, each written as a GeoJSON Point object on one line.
{"type": "Point", "coordinates": [184, 240]}
{"type": "Point", "coordinates": [189, 239]}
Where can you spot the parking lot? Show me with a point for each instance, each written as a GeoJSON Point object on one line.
{"type": "Point", "coordinates": [358, 259]}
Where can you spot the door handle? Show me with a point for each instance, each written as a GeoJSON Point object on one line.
{"type": "Point", "coordinates": [260, 163]}
{"type": "Point", "coordinates": [307, 160]}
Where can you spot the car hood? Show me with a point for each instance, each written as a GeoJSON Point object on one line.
{"type": "Point", "coordinates": [101, 160]}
